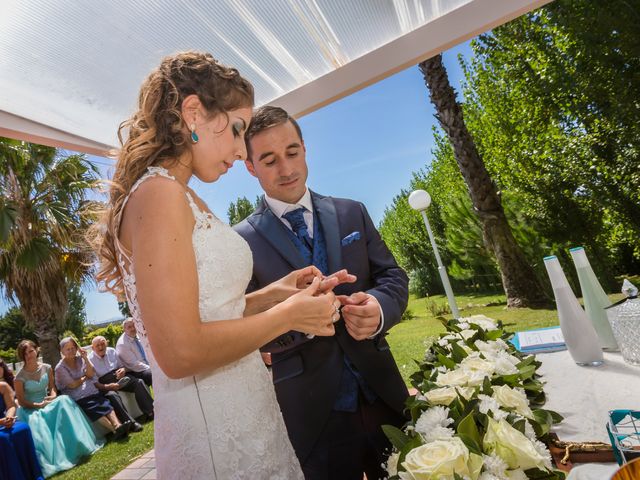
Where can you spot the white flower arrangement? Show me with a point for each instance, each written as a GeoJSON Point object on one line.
{"type": "Point", "coordinates": [476, 415]}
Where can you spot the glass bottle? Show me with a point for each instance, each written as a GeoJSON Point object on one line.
{"type": "Point", "coordinates": [594, 298]}
{"type": "Point", "coordinates": [579, 334]}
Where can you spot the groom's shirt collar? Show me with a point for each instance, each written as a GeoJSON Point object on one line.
{"type": "Point", "coordinates": [279, 208]}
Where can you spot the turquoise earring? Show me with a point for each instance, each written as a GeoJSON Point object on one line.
{"type": "Point", "coordinates": [194, 135]}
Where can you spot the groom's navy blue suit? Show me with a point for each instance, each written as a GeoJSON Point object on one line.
{"type": "Point", "coordinates": [308, 373]}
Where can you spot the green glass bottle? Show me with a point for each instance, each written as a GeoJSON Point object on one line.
{"type": "Point", "coordinates": [594, 298]}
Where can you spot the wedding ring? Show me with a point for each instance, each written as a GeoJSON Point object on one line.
{"type": "Point", "coordinates": [336, 314]}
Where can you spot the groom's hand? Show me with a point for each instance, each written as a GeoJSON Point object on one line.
{"type": "Point", "coordinates": [330, 282]}
{"type": "Point", "coordinates": [361, 314]}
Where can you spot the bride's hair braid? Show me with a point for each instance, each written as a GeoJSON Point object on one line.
{"type": "Point", "coordinates": [155, 134]}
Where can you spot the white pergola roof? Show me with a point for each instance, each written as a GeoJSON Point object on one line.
{"type": "Point", "coordinates": [70, 69]}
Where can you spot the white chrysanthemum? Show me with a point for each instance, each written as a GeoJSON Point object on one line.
{"type": "Point", "coordinates": [437, 433]}
{"type": "Point", "coordinates": [463, 325]}
{"type": "Point", "coordinates": [488, 476]}
{"type": "Point", "coordinates": [489, 404]}
{"type": "Point", "coordinates": [529, 432]}
{"type": "Point", "coordinates": [517, 474]}
{"type": "Point", "coordinates": [432, 418]}
{"type": "Point", "coordinates": [429, 356]}
{"type": "Point", "coordinates": [420, 397]}
{"type": "Point", "coordinates": [542, 449]}
{"type": "Point", "coordinates": [495, 465]}
{"type": "Point", "coordinates": [392, 464]}
{"type": "Point", "coordinates": [441, 368]}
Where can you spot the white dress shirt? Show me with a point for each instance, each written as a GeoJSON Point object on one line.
{"type": "Point", "coordinates": [106, 364]}
{"type": "Point", "coordinates": [279, 208]}
{"type": "Point", "coordinates": [129, 354]}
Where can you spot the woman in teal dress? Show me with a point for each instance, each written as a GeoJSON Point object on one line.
{"type": "Point", "coordinates": [61, 432]}
{"type": "Point", "coordinates": [18, 460]}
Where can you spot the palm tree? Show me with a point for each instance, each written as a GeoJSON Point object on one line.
{"type": "Point", "coordinates": [43, 216]}
{"type": "Point", "coordinates": [518, 277]}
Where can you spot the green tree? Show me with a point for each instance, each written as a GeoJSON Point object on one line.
{"type": "Point", "coordinates": [76, 314]}
{"type": "Point", "coordinates": [551, 98]}
{"type": "Point", "coordinates": [241, 209]}
{"type": "Point", "coordinates": [13, 329]}
{"type": "Point", "coordinates": [518, 279]}
{"type": "Point", "coordinates": [43, 218]}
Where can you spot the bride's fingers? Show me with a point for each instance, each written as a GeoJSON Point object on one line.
{"type": "Point", "coordinates": [328, 284]}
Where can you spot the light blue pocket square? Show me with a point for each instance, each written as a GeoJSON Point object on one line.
{"type": "Point", "coordinates": [352, 237]}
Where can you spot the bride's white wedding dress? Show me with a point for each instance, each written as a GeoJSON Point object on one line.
{"type": "Point", "coordinates": [224, 424]}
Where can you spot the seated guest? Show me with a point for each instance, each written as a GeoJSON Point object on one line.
{"type": "Point", "coordinates": [131, 353]}
{"type": "Point", "coordinates": [18, 460]}
{"type": "Point", "coordinates": [6, 375]}
{"type": "Point", "coordinates": [75, 376]}
{"type": "Point", "coordinates": [112, 378]}
{"type": "Point", "coordinates": [62, 434]}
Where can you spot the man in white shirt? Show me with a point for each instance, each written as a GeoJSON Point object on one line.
{"type": "Point", "coordinates": [131, 353]}
{"type": "Point", "coordinates": [112, 376]}
{"type": "Point", "coordinates": [335, 392]}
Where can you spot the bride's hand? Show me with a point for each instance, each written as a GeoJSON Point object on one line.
{"type": "Point", "coordinates": [310, 312]}
{"type": "Point", "coordinates": [329, 282]}
{"type": "Point", "coordinates": [302, 278]}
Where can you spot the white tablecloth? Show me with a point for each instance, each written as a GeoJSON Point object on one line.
{"type": "Point", "coordinates": [584, 396]}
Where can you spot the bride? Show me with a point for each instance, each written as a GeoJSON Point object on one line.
{"type": "Point", "coordinates": [184, 273]}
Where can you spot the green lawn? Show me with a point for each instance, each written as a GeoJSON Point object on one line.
{"type": "Point", "coordinates": [111, 458]}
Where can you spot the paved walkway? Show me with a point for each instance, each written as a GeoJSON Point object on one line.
{"type": "Point", "coordinates": [142, 468]}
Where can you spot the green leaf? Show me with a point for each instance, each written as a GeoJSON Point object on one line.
{"type": "Point", "coordinates": [458, 352]}
{"type": "Point", "coordinates": [410, 445]}
{"type": "Point", "coordinates": [8, 215]}
{"type": "Point", "coordinates": [446, 361]}
{"type": "Point", "coordinates": [34, 254]}
{"type": "Point", "coordinates": [468, 427]}
{"type": "Point", "coordinates": [527, 371]}
{"type": "Point", "coordinates": [396, 436]}
{"type": "Point", "coordinates": [470, 443]}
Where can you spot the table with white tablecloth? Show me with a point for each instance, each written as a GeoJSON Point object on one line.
{"type": "Point", "coordinates": [584, 396]}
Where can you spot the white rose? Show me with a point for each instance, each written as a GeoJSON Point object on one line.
{"type": "Point", "coordinates": [512, 399]}
{"type": "Point", "coordinates": [512, 446]}
{"type": "Point", "coordinates": [504, 365]}
{"type": "Point", "coordinates": [483, 322]}
{"type": "Point", "coordinates": [467, 334]}
{"type": "Point", "coordinates": [441, 458]}
{"type": "Point", "coordinates": [457, 377]}
{"type": "Point", "coordinates": [392, 464]}
{"type": "Point", "coordinates": [477, 369]}
{"type": "Point", "coordinates": [446, 395]}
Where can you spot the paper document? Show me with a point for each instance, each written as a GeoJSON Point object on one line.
{"type": "Point", "coordinates": [539, 338]}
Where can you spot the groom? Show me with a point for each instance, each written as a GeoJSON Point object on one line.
{"type": "Point", "coordinates": [334, 392]}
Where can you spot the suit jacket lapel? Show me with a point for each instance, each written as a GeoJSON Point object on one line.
{"type": "Point", "coordinates": [328, 217]}
{"type": "Point", "coordinates": [273, 231]}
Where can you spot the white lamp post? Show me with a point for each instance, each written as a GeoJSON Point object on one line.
{"type": "Point", "coordinates": [420, 201]}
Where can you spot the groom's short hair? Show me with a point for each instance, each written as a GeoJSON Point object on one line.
{"type": "Point", "coordinates": [266, 117]}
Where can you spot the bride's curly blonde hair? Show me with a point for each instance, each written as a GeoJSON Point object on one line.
{"type": "Point", "coordinates": [155, 134]}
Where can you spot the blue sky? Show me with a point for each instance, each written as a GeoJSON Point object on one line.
{"type": "Point", "coordinates": [364, 147]}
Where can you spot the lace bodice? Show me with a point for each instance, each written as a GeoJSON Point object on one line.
{"type": "Point", "coordinates": [224, 424]}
